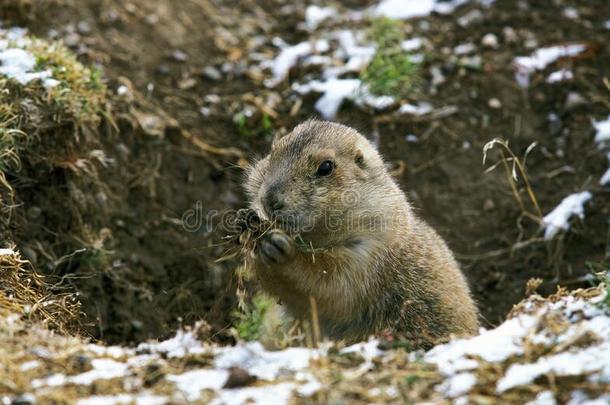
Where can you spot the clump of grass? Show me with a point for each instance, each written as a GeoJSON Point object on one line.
{"type": "Point", "coordinates": [256, 125]}
{"type": "Point", "coordinates": [602, 273]}
{"type": "Point", "coordinates": [250, 321]}
{"type": "Point", "coordinates": [26, 293]}
{"type": "Point", "coordinates": [52, 119]}
{"type": "Point", "coordinates": [391, 72]}
{"type": "Point", "coordinates": [81, 93]}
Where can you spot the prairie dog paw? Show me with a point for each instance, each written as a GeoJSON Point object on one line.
{"type": "Point", "coordinates": [275, 247]}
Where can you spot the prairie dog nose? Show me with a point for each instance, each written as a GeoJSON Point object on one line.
{"type": "Point", "coordinates": [274, 200]}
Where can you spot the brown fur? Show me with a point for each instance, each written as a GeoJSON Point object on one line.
{"type": "Point", "coordinates": [370, 264]}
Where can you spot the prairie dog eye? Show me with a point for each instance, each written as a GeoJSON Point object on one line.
{"type": "Point", "coordinates": [325, 168]}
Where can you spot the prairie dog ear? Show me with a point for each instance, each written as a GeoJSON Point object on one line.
{"type": "Point", "coordinates": [359, 158]}
{"type": "Point", "coordinates": [367, 154]}
{"type": "Point", "coordinates": [277, 136]}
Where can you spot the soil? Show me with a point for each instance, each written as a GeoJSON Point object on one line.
{"type": "Point", "coordinates": [159, 275]}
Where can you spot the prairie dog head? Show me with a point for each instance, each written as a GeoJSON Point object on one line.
{"type": "Point", "coordinates": [323, 181]}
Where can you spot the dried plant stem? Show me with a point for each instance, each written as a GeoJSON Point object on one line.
{"type": "Point", "coordinates": [315, 321]}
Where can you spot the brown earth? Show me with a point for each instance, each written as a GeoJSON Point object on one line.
{"type": "Point", "coordinates": [156, 274]}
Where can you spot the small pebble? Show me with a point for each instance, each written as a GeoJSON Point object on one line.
{"type": "Point", "coordinates": [574, 100]}
{"type": "Point", "coordinates": [494, 103]}
{"type": "Point", "coordinates": [570, 13]}
{"type": "Point", "coordinates": [83, 27]}
{"type": "Point", "coordinates": [180, 56]}
{"type": "Point", "coordinates": [212, 98]}
{"type": "Point", "coordinates": [490, 41]}
{"type": "Point", "coordinates": [510, 35]}
{"type": "Point", "coordinates": [238, 377]}
{"type": "Point", "coordinates": [211, 73]}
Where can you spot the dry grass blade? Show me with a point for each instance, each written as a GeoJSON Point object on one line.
{"type": "Point", "coordinates": [26, 293]}
{"type": "Point", "coordinates": [515, 169]}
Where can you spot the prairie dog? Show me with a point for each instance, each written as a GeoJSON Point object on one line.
{"type": "Point", "coordinates": [347, 236]}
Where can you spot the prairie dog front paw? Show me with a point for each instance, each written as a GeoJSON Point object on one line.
{"type": "Point", "coordinates": [275, 247]}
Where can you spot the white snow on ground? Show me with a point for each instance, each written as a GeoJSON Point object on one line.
{"type": "Point", "coordinates": [368, 350]}
{"type": "Point", "coordinates": [412, 44]}
{"type": "Point", "coordinates": [458, 384]}
{"type": "Point", "coordinates": [7, 252]}
{"type": "Point", "coordinates": [252, 357]}
{"type": "Point", "coordinates": [268, 394]}
{"type": "Point", "coordinates": [350, 53]}
{"type": "Point", "coordinates": [335, 91]}
{"type": "Point", "coordinates": [17, 63]}
{"type": "Point", "coordinates": [405, 9]}
{"type": "Point", "coordinates": [590, 360]}
{"type": "Point", "coordinates": [521, 349]}
{"type": "Point", "coordinates": [192, 382]}
{"type": "Point", "coordinates": [495, 345]}
{"type": "Point", "coordinates": [560, 75]}
{"type": "Point", "coordinates": [584, 319]}
{"type": "Point", "coordinates": [103, 369]}
{"type": "Point", "coordinates": [593, 361]}
{"type": "Point", "coordinates": [544, 398]}
{"type": "Point", "coordinates": [540, 59]}
{"type": "Point", "coordinates": [314, 15]}
{"type": "Point", "coordinates": [602, 130]}
{"type": "Point", "coordinates": [261, 363]}
{"type": "Point", "coordinates": [140, 399]}
{"type": "Point", "coordinates": [289, 57]}
{"type": "Point", "coordinates": [416, 109]}
{"type": "Point", "coordinates": [182, 344]}
{"type": "Point", "coordinates": [558, 219]}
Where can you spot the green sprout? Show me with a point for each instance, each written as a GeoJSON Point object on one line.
{"type": "Point", "coordinates": [391, 71]}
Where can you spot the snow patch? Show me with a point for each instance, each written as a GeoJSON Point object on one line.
{"type": "Point", "coordinates": [261, 363]}
{"type": "Point", "coordinates": [495, 345]}
{"type": "Point", "coordinates": [141, 399]}
{"type": "Point", "coordinates": [335, 91]}
{"type": "Point", "coordinates": [192, 382]}
{"type": "Point", "coordinates": [18, 64]}
{"type": "Point", "coordinates": [595, 359]}
{"type": "Point", "coordinates": [315, 15]}
{"type": "Point", "coordinates": [103, 369]}
{"type": "Point", "coordinates": [405, 9]}
{"type": "Point", "coordinates": [458, 384]}
{"type": "Point", "coordinates": [412, 44]}
{"type": "Point", "coordinates": [602, 130]}
{"type": "Point", "coordinates": [544, 398]}
{"type": "Point", "coordinates": [558, 219]}
{"type": "Point", "coordinates": [268, 394]}
{"type": "Point", "coordinates": [184, 343]}
{"type": "Point", "coordinates": [560, 75]}
{"type": "Point", "coordinates": [288, 58]}
{"type": "Point", "coordinates": [540, 59]}
{"type": "Point", "coordinates": [7, 252]}
{"type": "Point", "coordinates": [416, 109]}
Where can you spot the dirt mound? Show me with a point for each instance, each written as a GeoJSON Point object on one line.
{"type": "Point", "coordinates": [88, 199]}
{"type": "Point", "coordinates": [188, 87]}
{"type": "Point", "coordinates": [553, 348]}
